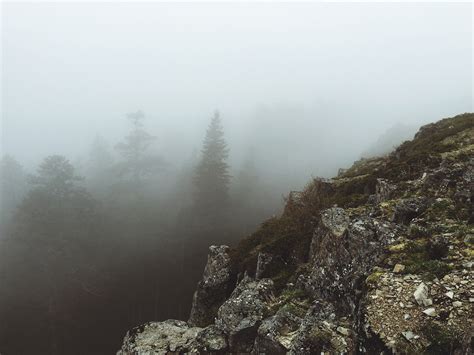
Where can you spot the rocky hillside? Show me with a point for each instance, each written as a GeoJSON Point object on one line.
{"type": "Point", "coordinates": [379, 259]}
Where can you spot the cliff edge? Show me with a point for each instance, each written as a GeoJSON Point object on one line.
{"type": "Point", "coordinates": [379, 259]}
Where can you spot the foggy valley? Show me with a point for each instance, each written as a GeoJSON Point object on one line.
{"type": "Point", "coordinates": [136, 135]}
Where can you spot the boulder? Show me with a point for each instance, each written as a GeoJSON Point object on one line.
{"type": "Point", "coordinates": [160, 338]}
{"type": "Point", "coordinates": [408, 209]}
{"type": "Point", "coordinates": [240, 316]}
{"type": "Point", "coordinates": [383, 190]}
{"type": "Point", "coordinates": [263, 261]}
{"type": "Point", "coordinates": [277, 332]}
{"type": "Point", "coordinates": [211, 339]}
{"type": "Point", "coordinates": [214, 287]}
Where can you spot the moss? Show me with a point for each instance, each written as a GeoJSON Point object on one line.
{"type": "Point", "coordinates": [469, 252]}
{"type": "Point", "coordinates": [397, 248]}
{"type": "Point", "coordinates": [294, 300]}
{"type": "Point", "coordinates": [373, 279]}
{"type": "Point", "coordinates": [421, 256]}
{"type": "Point", "coordinates": [288, 237]}
{"type": "Point", "coordinates": [417, 232]}
{"type": "Point", "coordinates": [428, 269]}
{"type": "Point", "coordinates": [468, 239]}
{"type": "Point", "coordinates": [413, 157]}
{"type": "Point", "coordinates": [282, 278]}
{"type": "Point", "coordinates": [294, 294]}
{"type": "Point", "coordinates": [442, 340]}
{"type": "Point", "coordinates": [320, 338]}
{"type": "Point", "coordinates": [298, 309]}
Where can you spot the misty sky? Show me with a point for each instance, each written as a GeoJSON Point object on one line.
{"type": "Point", "coordinates": [341, 73]}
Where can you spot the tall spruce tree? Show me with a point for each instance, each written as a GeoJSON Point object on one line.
{"type": "Point", "coordinates": [212, 173]}
{"type": "Point", "coordinates": [137, 161]}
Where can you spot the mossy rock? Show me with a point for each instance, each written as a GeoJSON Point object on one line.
{"type": "Point", "coordinates": [373, 279]}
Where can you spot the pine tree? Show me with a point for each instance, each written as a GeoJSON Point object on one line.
{"type": "Point", "coordinates": [212, 177]}
{"type": "Point", "coordinates": [137, 161]}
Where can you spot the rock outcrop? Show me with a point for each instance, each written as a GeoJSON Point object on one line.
{"type": "Point", "coordinates": [379, 259]}
{"type": "Point", "coordinates": [214, 287]}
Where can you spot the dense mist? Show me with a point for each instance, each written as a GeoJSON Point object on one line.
{"type": "Point", "coordinates": [136, 135]}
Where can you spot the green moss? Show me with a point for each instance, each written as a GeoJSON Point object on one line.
{"type": "Point", "coordinates": [321, 338]}
{"type": "Point", "coordinates": [428, 269]}
{"type": "Point", "coordinates": [373, 279]}
{"type": "Point", "coordinates": [298, 309]}
{"type": "Point", "coordinates": [288, 237]}
{"type": "Point", "coordinates": [442, 340]}
{"type": "Point", "coordinates": [413, 157]}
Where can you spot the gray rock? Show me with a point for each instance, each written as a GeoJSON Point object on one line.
{"type": "Point", "coordinates": [160, 338]}
{"type": "Point", "coordinates": [211, 339]}
{"type": "Point", "coordinates": [240, 316]}
{"type": "Point", "coordinates": [383, 190]}
{"type": "Point", "coordinates": [339, 261]}
{"type": "Point", "coordinates": [430, 312]}
{"type": "Point", "coordinates": [214, 287]}
{"type": "Point", "coordinates": [276, 333]}
{"type": "Point", "coordinates": [421, 295]}
{"type": "Point", "coordinates": [263, 261]}
{"type": "Point", "coordinates": [408, 335]}
{"type": "Point", "coordinates": [408, 209]}
{"type": "Point", "coordinates": [336, 220]}
{"type": "Point", "coordinates": [398, 268]}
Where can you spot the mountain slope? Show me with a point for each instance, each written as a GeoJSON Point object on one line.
{"type": "Point", "coordinates": [378, 259]}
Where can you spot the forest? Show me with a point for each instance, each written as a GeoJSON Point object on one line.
{"type": "Point", "coordinates": [136, 135]}
{"type": "Point", "coordinates": [92, 252]}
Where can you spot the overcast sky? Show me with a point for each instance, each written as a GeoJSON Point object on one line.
{"type": "Point", "coordinates": [71, 71]}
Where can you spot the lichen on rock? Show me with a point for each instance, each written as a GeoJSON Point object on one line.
{"type": "Point", "coordinates": [379, 259]}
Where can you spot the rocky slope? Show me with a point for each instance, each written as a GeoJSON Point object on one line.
{"type": "Point", "coordinates": [379, 259]}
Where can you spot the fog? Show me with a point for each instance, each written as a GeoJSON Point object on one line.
{"type": "Point", "coordinates": [301, 90]}
{"type": "Point", "coordinates": [331, 73]}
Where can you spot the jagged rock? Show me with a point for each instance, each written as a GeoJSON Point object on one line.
{"type": "Point", "coordinates": [430, 312]}
{"type": "Point", "coordinates": [340, 261]}
{"type": "Point", "coordinates": [263, 261]}
{"type": "Point", "coordinates": [276, 333]}
{"type": "Point", "coordinates": [421, 295]}
{"type": "Point", "coordinates": [211, 339]}
{"type": "Point", "coordinates": [398, 268]}
{"type": "Point", "coordinates": [408, 335]}
{"type": "Point", "coordinates": [214, 287]}
{"type": "Point", "coordinates": [240, 316]}
{"type": "Point", "coordinates": [336, 220]}
{"type": "Point", "coordinates": [330, 303]}
{"type": "Point", "coordinates": [408, 209]}
{"type": "Point", "coordinates": [383, 190]}
{"type": "Point", "coordinates": [160, 338]}
{"type": "Point", "coordinates": [318, 333]}
{"type": "Point", "coordinates": [343, 331]}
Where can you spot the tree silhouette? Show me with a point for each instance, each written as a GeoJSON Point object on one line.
{"type": "Point", "coordinates": [137, 161]}
{"type": "Point", "coordinates": [212, 177]}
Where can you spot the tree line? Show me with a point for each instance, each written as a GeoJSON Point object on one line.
{"type": "Point", "coordinates": [84, 258]}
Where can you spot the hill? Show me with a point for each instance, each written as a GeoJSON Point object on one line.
{"type": "Point", "coordinates": [377, 259]}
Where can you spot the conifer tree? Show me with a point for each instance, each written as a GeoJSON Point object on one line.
{"type": "Point", "coordinates": [137, 161]}
{"type": "Point", "coordinates": [212, 173]}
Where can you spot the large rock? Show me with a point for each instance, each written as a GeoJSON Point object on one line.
{"type": "Point", "coordinates": [211, 339]}
{"type": "Point", "coordinates": [240, 316]}
{"type": "Point", "coordinates": [214, 287]}
{"type": "Point", "coordinates": [336, 220]}
{"type": "Point", "coordinates": [340, 261]}
{"type": "Point", "coordinates": [383, 190]}
{"type": "Point", "coordinates": [277, 332]}
{"type": "Point", "coordinates": [319, 333]}
{"type": "Point", "coordinates": [408, 209]}
{"type": "Point", "coordinates": [263, 262]}
{"type": "Point", "coordinates": [160, 338]}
